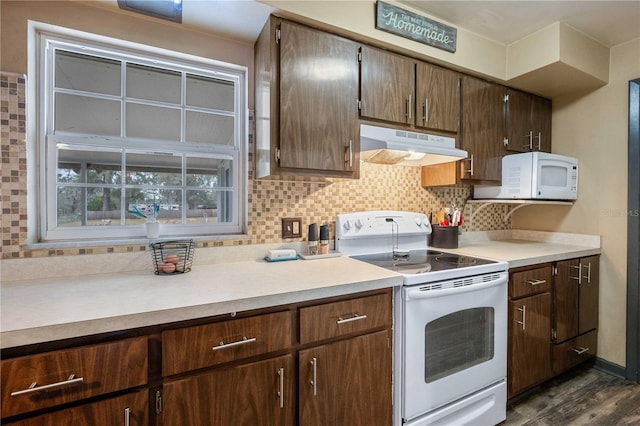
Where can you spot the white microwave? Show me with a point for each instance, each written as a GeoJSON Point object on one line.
{"type": "Point", "coordinates": [534, 176]}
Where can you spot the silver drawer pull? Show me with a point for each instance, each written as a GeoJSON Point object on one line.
{"type": "Point", "coordinates": [244, 341]}
{"type": "Point", "coordinates": [72, 380]}
{"type": "Point", "coordinates": [127, 416]}
{"type": "Point", "coordinates": [536, 282]}
{"type": "Point", "coordinates": [355, 317]}
{"type": "Point", "coordinates": [580, 350]}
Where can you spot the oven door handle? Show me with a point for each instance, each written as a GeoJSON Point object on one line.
{"type": "Point", "coordinates": [417, 293]}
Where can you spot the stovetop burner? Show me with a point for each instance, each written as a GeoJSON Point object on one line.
{"type": "Point", "coordinates": [422, 261]}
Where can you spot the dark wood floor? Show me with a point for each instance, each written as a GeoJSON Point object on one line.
{"type": "Point", "coordinates": [584, 396]}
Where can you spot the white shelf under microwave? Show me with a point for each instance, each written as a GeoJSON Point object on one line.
{"type": "Point", "coordinates": [516, 204]}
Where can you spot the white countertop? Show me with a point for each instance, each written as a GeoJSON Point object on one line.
{"type": "Point", "coordinates": [524, 253]}
{"type": "Point", "coordinates": [46, 309]}
{"type": "Point", "coordinates": [35, 311]}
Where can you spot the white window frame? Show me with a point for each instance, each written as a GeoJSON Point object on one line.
{"type": "Point", "coordinates": [43, 39]}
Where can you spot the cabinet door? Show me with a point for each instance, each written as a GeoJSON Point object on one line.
{"type": "Point", "coordinates": [131, 409]}
{"type": "Point", "coordinates": [541, 123]}
{"type": "Point", "coordinates": [529, 357]}
{"type": "Point", "coordinates": [518, 121]}
{"type": "Point", "coordinates": [347, 382]}
{"type": "Point", "coordinates": [258, 393]}
{"type": "Point", "coordinates": [482, 129]}
{"type": "Point", "coordinates": [566, 299]}
{"type": "Point", "coordinates": [437, 98]}
{"type": "Point", "coordinates": [387, 86]}
{"type": "Point", "coordinates": [589, 290]}
{"type": "Point", "coordinates": [318, 94]}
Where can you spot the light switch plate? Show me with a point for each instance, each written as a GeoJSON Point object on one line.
{"type": "Point", "coordinates": [291, 227]}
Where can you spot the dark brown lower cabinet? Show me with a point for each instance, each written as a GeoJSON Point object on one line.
{"type": "Point", "coordinates": [130, 409]}
{"type": "Point", "coordinates": [529, 342]}
{"type": "Point", "coordinates": [259, 393]}
{"type": "Point", "coordinates": [347, 382]}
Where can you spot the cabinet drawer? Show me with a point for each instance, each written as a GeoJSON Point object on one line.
{"type": "Point", "coordinates": [530, 282]}
{"type": "Point", "coordinates": [48, 379]}
{"type": "Point", "coordinates": [131, 409]}
{"type": "Point", "coordinates": [574, 351]}
{"type": "Point", "coordinates": [345, 317]}
{"type": "Point", "coordinates": [205, 345]}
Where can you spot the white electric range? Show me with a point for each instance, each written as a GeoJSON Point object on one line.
{"type": "Point", "coordinates": [450, 321]}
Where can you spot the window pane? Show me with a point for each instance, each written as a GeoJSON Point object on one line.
{"type": "Point", "coordinates": [87, 73]}
{"type": "Point", "coordinates": [146, 121]}
{"type": "Point", "coordinates": [210, 93]}
{"type": "Point", "coordinates": [154, 84]}
{"type": "Point", "coordinates": [208, 172]}
{"type": "Point", "coordinates": [168, 200]}
{"type": "Point", "coordinates": [84, 114]}
{"type": "Point", "coordinates": [153, 169]}
{"type": "Point", "coordinates": [82, 166]}
{"type": "Point", "coordinates": [78, 206]}
{"type": "Point", "coordinates": [210, 128]}
{"type": "Point", "coordinates": [209, 206]}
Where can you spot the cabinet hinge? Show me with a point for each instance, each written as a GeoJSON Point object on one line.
{"type": "Point", "coordinates": [505, 141]}
{"type": "Point", "coordinates": [278, 35]}
{"type": "Point", "coordinates": [359, 55]}
{"type": "Point", "coordinates": [359, 104]}
{"type": "Point", "coordinates": [506, 98]}
{"type": "Point", "coordinates": [277, 154]}
{"type": "Point", "coordinates": [158, 402]}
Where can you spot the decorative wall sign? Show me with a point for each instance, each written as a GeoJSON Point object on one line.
{"type": "Point", "coordinates": [409, 25]}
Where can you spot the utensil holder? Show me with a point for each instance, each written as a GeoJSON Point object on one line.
{"type": "Point", "coordinates": [444, 236]}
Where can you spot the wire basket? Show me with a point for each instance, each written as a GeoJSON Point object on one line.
{"type": "Point", "coordinates": [172, 257]}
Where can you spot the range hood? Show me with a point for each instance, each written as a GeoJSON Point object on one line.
{"type": "Point", "coordinates": [383, 145]}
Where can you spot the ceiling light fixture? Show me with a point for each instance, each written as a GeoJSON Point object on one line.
{"type": "Point", "coordinates": [170, 10]}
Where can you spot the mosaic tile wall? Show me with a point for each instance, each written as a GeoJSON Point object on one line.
{"type": "Point", "coordinates": [380, 187]}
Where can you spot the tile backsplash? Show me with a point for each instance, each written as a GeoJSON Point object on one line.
{"type": "Point", "coordinates": [380, 187]}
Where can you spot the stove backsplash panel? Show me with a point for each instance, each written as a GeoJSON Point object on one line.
{"type": "Point", "coordinates": [380, 187]}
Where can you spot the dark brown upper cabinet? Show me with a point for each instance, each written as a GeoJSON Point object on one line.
{"type": "Point", "coordinates": [528, 122]}
{"type": "Point", "coordinates": [482, 131]}
{"type": "Point", "coordinates": [400, 90]}
{"type": "Point", "coordinates": [387, 89]}
{"type": "Point", "coordinates": [306, 102]}
{"type": "Point", "coordinates": [437, 98]}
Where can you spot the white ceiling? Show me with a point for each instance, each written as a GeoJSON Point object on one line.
{"type": "Point", "coordinates": [609, 22]}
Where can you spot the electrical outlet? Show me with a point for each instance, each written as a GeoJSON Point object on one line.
{"type": "Point", "coordinates": [291, 227]}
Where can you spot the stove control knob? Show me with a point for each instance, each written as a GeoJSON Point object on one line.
{"type": "Point", "coordinates": [419, 220]}
{"type": "Point", "coordinates": [347, 225]}
{"type": "Point", "coordinates": [359, 224]}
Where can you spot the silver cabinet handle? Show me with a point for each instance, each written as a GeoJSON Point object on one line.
{"type": "Point", "coordinates": [281, 391]}
{"type": "Point", "coordinates": [314, 382]}
{"type": "Point", "coordinates": [349, 154]}
{"type": "Point", "coordinates": [588, 276]}
{"type": "Point", "coordinates": [72, 380]}
{"type": "Point", "coordinates": [408, 114]}
{"type": "Point", "coordinates": [539, 141]}
{"type": "Point", "coordinates": [530, 144]}
{"type": "Point", "coordinates": [524, 316]}
{"type": "Point", "coordinates": [224, 345]}
{"type": "Point", "coordinates": [127, 416]}
{"type": "Point", "coordinates": [579, 350]}
{"type": "Point", "coordinates": [579, 277]}
{"type": "Point", "coordinates": [536, 282]}
{"type": "Point", "coordinates": [470, 171]}
{"type": "Point", "coordinates": [425, 111]}
{"type": "Point", "coordinates": [355, 317]}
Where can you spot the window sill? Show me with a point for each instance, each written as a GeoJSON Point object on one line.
{"type": "Point", "coordinates": [58, 245]}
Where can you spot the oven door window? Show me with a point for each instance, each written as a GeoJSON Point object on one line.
{"type": "Point", "coordinates": [458, 341]}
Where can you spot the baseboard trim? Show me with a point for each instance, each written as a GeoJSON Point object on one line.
{"type": "Point", "coordinates": [610, 368]}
